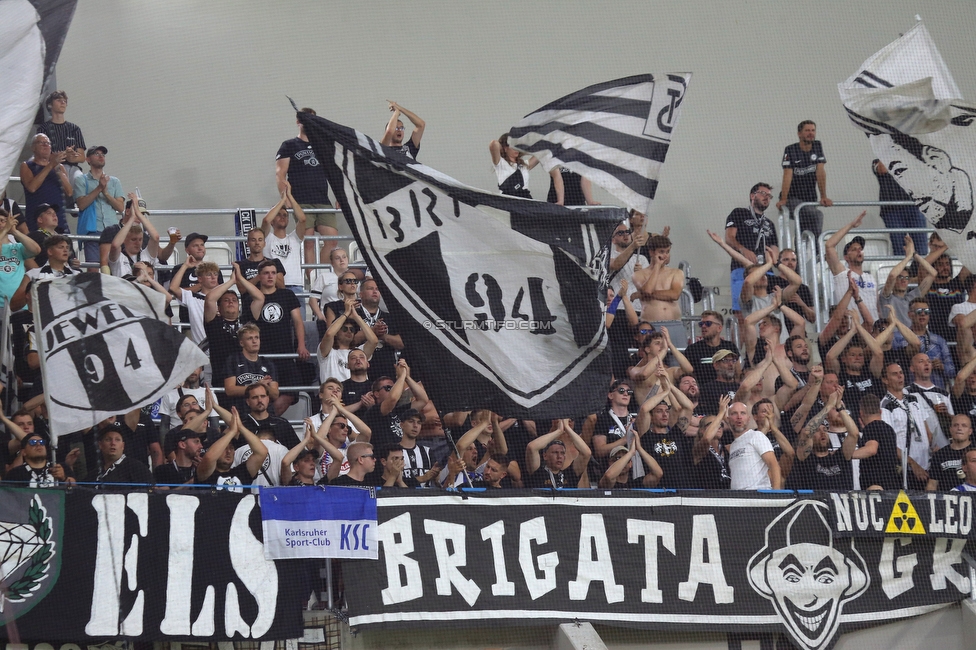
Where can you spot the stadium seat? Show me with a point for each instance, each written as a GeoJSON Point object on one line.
{"type": "Point", "coordinates": [354, 254]}
{"type": "Point", "coordinates": [299, 410]}
{"type": "Point", "coordinates": [220, 253]}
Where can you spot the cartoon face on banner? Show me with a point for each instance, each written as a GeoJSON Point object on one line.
{"type": "Point", "coordinates": [806, 574]}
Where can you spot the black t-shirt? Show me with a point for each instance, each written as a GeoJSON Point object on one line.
{"type": "Point", "coordinates": [408, 148]}
{"type": "Point", "coordinates": [172, 474]}
{"type": "Point", "coordinates": [416, 463]}
{"type": "Point", "coordinates": [543, 478]}
{"type": "Point", "coordinates": [672, 451]}
{"type": "Point", "coordinates": [710, 393]}
{"type": "Point", "coordinates": [383, 361]}
{"type": "Point", "coordinates": [346, 480]}
{"type": "Point", "coordinates": [572, 188]}
{"type": "Point", "coordinates": [856, 387]}
{"type": "Point", "coordinates": [222, 337]}
{"type": "Point", "coordinates": [890, 190]}
{"type": "Point", "coordinates": [250, 269]}
{"type": "Point", "coordinates": [753, 231]}
{"type": "Point", "coordinates": [353, 391]}
{"type": "Point", "coordinates": [941, 298]}
{"type": "Point", "coordinates": [804, 165]}
{"type": "Point", "coordinates": [22, 331]}
{"type": "Point", "coordinates": [190, 276]}
{"type": "Point", "coordinates": [284, 432]}
{"type": "Point", "coordinates": [126, 470]}
{"type": "Point", "coordinates": [944, 465]}
{"type": "Point", "coordinates": [239, 475]}
{"type": "Point", "coordinates": [880, 469]}
{"type": "Point", "coordinates": [137, 441]}
{"type": "Point", "coordinates": [385, 429]}
{"type": "Point", "coordinates": [247, 372]}
{"type": "Point", "coordinates": [606, 426]}
{"type": "Point", "coordinates": [832, 472]}
{"type": "Point", "coordinates": [277, 328]}
{"type": "Point", "coordinates": [305, 174]}
{"type": "Point", "coordinates": [965, 403]}
{"type": "Point", "coordinates": [34, 478]}
{"type": "Point", "coordinates": [712, 471]}
{"type": "Point", "coordinates": [700, 355]}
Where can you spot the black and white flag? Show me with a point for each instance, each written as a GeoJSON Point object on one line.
{"type": "Point", "coordinates": [616, 134]}
{"type": "Point", "coordinates": [905, 99]}
{"type": "Point", "coordinates": [33, 33]}
{"type": "Point", "coordinates": [106, 347]}
{"type": "Point", "coordinates": [497, 299]}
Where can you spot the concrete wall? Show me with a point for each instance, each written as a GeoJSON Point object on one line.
{"type": "Point", "coordinates": [189, 97]}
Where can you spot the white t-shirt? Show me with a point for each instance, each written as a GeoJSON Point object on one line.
{"type": "Point", "coordinates": [167, 404]}
{"type": "Point", "coordinates": [964, 308]}
{"type": "Point", "coordinates": [897, 418]}
{"type": "Point", "coordinates": [504, 169]}
{"type": "Point", "coordinates": [626, 272]}
{"type": "Point", "coordinates": [325, 288]}
{"type": "Point", "coordinates": [123, 265]}
{"type": "Point", "coordinates": [271, 466]}
{"type": "Point", "coordinates": [336, 364]}
{"type": "Point", "coordinates": [194, 303]}
{"type": "Point", "coordinates": [748, 469]}
{"type": "Point", "coordinates": [868, 289]}
{"type": "Point", "coordinates": [319, 417]}
{"type": "Point", "coordinates": [289, 252]}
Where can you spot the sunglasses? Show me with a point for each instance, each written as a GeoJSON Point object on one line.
{"type": "Point", "coordinates": [368, 456]}
{"type": "Point", "coordinates": [625, 391]}
{"type": "Point", "coordinates": [706, 323]}
{"type": "Point", "coordinates": [646, 331]}
{"type": "Point", "coordinates": [348, 281]}
{"type": "Point", "coordinates": [387, 388]}
{"type": "Point", "coordinates": [920, 312]}
{"type": "Point", "coordinates": [36, 442]}
{"type": "Point", "coordinates": [622, 232]}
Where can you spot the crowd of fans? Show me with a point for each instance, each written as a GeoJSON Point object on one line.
{"type": "Point", "coordinates": [774, 409]}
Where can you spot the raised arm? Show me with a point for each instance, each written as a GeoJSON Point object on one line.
{"type": "Point", "coordinates": [208, 463]}
{"type": "Point", "coordinates": [902, 264]}
{"type": "Point", "coordinates": [259, 452]}
{"type": "Point", "coordinates": [269, 217]}
{"type": "Point", "coordinates": [418, 124]}
{"type": "Point", "coordinates": [813, 392]}
{"type": "Point", "coordinates": [724, 245]}
{"type": "Point", "coordinates": [417, 391]}
{"type": "Point", "coordinates": [535, 447]}
{"type": "Point", "coordinates": [289, 458]}
{"type": "Point", "coordinates": [832, 362]}
{"type": "Point", "coordinates": [213, 297]}
{"type": "Point", "coordinates": [833, 259]}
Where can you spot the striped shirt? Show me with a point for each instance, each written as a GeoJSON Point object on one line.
{"type": "Point", "coordinates": [59, 134]}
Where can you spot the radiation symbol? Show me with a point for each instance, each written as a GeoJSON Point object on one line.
{"type": "Point", "coordinates": [904, 519]}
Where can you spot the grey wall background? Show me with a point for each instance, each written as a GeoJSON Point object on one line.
{"type": "Point", "coordinates": [189, 97]}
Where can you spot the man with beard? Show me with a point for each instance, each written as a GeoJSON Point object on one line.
{"type": "Point", "coordinates": [701, 352]}
{"type": "Point", "coordinates": [384, 418]}
{"type": "Point", "coordinates": [217, 465]}
{"type": "Point", "coordinates": [393, 136]}
{"type": "Point", "coordinates": [183, 467]}
{"type": "Point", "coordinates": [38, 470]}
{"type": "Point", "coordinates": [820, 466]}
{"type": "Point", "coordinates": [626, 256]}
{"type": "Point", "coordinates": [222, 322]}
{"type": "Point", "coordinates": [804, 173]}
{"type": "Point", "coordinates": [104, 191]}
{"type": "Point", "coordinates": [668, 446]}
{"type": "Point", "coordinates": [749, 232]}
{"type": "Point", "coordinates": [851, 371]}
{"type": "Point", "coordinates": [726, 365]}
{"type": "Point", "coordinates": [612, 425]}
{"type": "Point", "coordinates": [932, 345]}
{"type": "Point", "coordinates": [258, 400]}
{"type": "Point", "coordinates": [248, 267]}
{"type": "Point", "coordinates": [356, 390]}
{"type": "Point", "coordinates": [388, 341]}
{"type": "Point", "coordinates": [802, 301]}
{"type": "Point", "coordinates": [947, 462]}
{"type": "Point", "coordinates": [853, 268]}
{"type": "Point", "coordinates": [752, 461]}
{"type": "Point", "coordinates": [905, 413]}
{"type": "Point", "coordinates": [946, 291]}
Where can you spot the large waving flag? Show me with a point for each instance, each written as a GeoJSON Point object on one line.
{"type": "Point", "coordinates": [497, 298]}
{"type": "Point", "coordinates": [905, 99]}
{"type": "Point", "coordinates": [106, 347]}
{"type": "Point", "coordinates": [616, 134]}
{"type": "Point", "coordinates": [31, 35]}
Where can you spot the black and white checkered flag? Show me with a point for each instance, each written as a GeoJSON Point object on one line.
{"type": "Point", "coordinates": [616, 134]}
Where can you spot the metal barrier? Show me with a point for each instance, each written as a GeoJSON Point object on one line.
{"type": "Point", "coordinates": [810, 252]}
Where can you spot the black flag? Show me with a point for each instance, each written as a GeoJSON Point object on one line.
{"type": "Point", "coordinates": [498, 299]}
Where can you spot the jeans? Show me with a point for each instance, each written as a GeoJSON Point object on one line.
{"type": "Point", "coordinates": [906, 216]}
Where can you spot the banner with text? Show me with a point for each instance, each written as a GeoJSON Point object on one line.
{"type": "Point", "coordinates": [709, 561]}
{"type": "Point", "coordinates": [85, 566]}
{"type": "Point", "coordinates": [317, 523]}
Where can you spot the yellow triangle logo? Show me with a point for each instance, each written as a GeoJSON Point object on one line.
{"type": "Point", "coordinates": [904, 520]}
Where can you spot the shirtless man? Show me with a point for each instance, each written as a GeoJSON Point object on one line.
{"type": "Point", "coordinates": [660, 287]}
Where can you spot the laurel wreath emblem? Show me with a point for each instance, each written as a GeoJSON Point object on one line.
{"type": "Point", "coordinates": [31, 579]}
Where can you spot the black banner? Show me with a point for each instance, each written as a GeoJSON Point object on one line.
{"type": "Point", "coordinates": [880, 514]}
{"type": "Point", "coordinates": [704, 562]}
{"type": "Point", "coordinates": [87, 565]}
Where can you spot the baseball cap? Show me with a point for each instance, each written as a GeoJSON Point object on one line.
{"type": "Point", "coordinates": [412, 413]}
{"type": "Point", "coordinates": [193, 236]}
{"type": "Point", "coordinates": [44, 207]}
{"type": "Point", "coordinates": [142, 205]}
{"type": "Point", "coordinates": [92, 150]}
{"type": "Point", "coordinates": [856, 240]}
{"type": "Point", "coordinates": [186, 434]}
{"type": "Point", "coordinates": [721, 354]}
{"type": "Point", "coordinates": [618, 449]}
{"type": "Point", "coordinates": [306, 452]}
{"type": "Point", "coordinates": [554, 443]}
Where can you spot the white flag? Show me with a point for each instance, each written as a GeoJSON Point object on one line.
{"type": "Point", "coordinates": [616, 134]}
{"type": "Point", "coordinates": [106, 347]}
{"type": "Point", "coordinates": [906, 100]}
